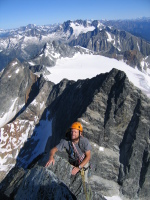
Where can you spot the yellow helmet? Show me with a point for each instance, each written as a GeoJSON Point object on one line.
{"type": "Point", "coordinates": [77, 125]}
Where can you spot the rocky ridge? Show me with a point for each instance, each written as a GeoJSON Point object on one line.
{"type": "Point", "coordinates": [115, 116]}
{"type": "Point", "coordinates": [52, 51]}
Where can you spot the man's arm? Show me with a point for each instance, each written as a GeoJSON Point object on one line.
{"type": "Point", "coordinates": [84, 162]}
{"type": "Point", "coordinates": [51, 157]}
{"type": "Point", "coordinates": [86, 159]}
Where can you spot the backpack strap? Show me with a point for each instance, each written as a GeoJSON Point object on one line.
{"type": "Point", "coordinates": [71, 150]}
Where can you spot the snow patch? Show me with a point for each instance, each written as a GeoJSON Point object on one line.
{"type": "Point", "coordinates": [142, 63]}
{"type": "Point", "coordinates": [77, 28]}
{"type": "Point", "coordinates": [15, 63]}
{"type": "Point", "coordinates": [138, 46]}
{"type": "Point", "coordinates": [31, 63]}
{"type": "Point", "coordinates": [42, 133]}
{"type": "Point", "coordinates": [0, 135]}
{"type": "Point", "coordinates": [42, 105]}
{"type": "Point", "coordinates": [34, 102]}
{"type": "Point", "coordinates": [17, 71]}
{"type": "Point", "coordinates": [8, 115]}
{"type": "Point", "coordinates": [56, 55]}
{"type": "Point", "coordinates": [84, 121]}
{"type": "Point", "coordinates": [113, 198]}
{"type": "Point", "coordinates": [6, 168]}
{"type": "Point", "coordinates": [100, 26]}
{"type": "Point", "coordinates": [101, 148]}
{"type": "Point", "coordinates": [148, 71]}
{"type": "Point", "coordinates": [12, 128]}
{"type": "Point", "coordinates": [110, 39]}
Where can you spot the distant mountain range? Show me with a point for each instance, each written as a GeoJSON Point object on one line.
{"type": "Point", "coordinates": [108, 38]}
{"type": "Point", "coordinates": [139, 27]}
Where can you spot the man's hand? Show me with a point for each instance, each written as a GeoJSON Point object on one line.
{"type": "Point", "coordinates": [51, 158]}
{"type": "Point", "coordinates": [50, 161]}
{"type": "Point", "coordinates": [75, 170]}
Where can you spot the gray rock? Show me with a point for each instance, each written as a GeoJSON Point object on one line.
{"type": "Point", "coordinates": [38, 69]}
{"type": "Point", "coordinates": [10, 185]}
{"type": "Point", "coordinates": [15, 82]}
{"type": "Point", "coordinates": [44, 185]}
{"type": "Point", "coordinates": [115, 117]}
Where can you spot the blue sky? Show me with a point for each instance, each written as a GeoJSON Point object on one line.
{"type": "Point", "coordinates": [16, 13]}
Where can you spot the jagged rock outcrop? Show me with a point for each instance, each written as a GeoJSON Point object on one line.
{"type": "Point", "coordinates": [23, 122]}
{"type": "Point", "coordinates": [52, 51]}
{"type": "Point", "coordinates": [15, 83]}
{"type": "Point", "coordinates": [115, 117]}
{"type": "Point", "coordinates": [38, 69]}
{"type": "Point", "coordinates": [45, 183]}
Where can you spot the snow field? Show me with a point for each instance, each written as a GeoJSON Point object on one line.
{"type": "Point", "coordinates": [87, 66]}
{"type": "Point", "coordinates": [78, 29]}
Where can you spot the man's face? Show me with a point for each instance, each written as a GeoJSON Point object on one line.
{"type": "Point", "coordinates": [74, 134]}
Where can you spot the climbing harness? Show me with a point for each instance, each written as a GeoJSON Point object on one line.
{"type": "Point", "coordinates": [80, 158]}
{"type": "Point", "coordinates": [73, 152]}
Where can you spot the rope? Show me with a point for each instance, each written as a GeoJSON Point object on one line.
{"type": "Point", "coordinates": [83, 181]}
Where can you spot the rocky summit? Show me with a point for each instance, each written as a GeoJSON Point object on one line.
{"type": "Point", "coordinates": [115, 117]}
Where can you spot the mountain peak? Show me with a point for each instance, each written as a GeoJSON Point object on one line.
{"type": "Point", "coordinates": [31, 26]}
{"type": "Point", "coordinates": [111, 112]}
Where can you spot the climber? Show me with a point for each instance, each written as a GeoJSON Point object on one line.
{"type": "Point", "coordinates": [78, 149]}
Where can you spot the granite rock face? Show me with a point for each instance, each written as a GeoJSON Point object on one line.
{"type": "Point", "coordinates": [15, 83]}
{"type": "Point", "coordinates": [53, 182]}
{"type": "Point", "coordinates": [38, 69]}
{"type": "Point", "coordinates": [23, 122]}
{"type": "Point", "coordinates": [115, 117]}
{"type": "Point", "coordinates": [45, 185]}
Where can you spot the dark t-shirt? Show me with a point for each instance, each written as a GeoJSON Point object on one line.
{"type": "Point", "coordinates": [83, 147]}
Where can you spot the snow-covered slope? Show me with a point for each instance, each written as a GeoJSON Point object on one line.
{"type": "Point", "coordinates": [80, 28]}
{"type": "Point", "coordinates": [87, 66]}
